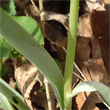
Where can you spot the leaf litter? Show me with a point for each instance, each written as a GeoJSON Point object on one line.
{"type": "Point", "coordinates": [92, 51]}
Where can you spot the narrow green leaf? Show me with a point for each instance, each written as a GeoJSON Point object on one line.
{"type": "Point", "coordinates": [92, 86]}
{"type": "Point", "coordinates": [34, 52]}
{"type": "Point", "coordinates": [4, 103]}
{"type": "Point", "coordinates": [10, 93]}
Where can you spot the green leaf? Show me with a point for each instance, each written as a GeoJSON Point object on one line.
{"type": "Point", "coordinates": [42, 88]}
{"type": "Point", "coordinates": [58, 63]}
{"type": "Point", "coordinates": [31, 26]}
{"type": "Point", "coordinates": [27, 23]}
{"type": "Point", "coordinates": [34, 52]}
{"type": "Point", "coordinates": [5, 47]}
{"type": "Point", "coordinates": [14, 53]}
{"type": "Point", "coordinates": [92, 86]}
{"type": "Point", "coordinates": [4, 103]}
{"type": "Point", "coordinates": [10, 9]}
{"type": "Point", "coordinates": [10, 93]}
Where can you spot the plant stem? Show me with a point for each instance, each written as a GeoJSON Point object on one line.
{"type": "Point", "coordinates": [74, 8]}
{"type": "Point", "coordinates": [48, 94]}
{"type": "Point", "coordinates": [37, 10]}
{"type": "Point", "coordinates": [0, 68]}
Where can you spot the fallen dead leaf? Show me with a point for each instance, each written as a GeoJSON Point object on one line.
{"type": "Point", "coordinates": [61, 54]}
{"type": "Point", "coordinates": [94, 4]}
{"type": "Point", "coordinates": [91, 63]}
{"type": "Point", "coordinates": [53, 32]}
{"type": "Point", "coordinates": [100, 26]}
{"type": "Point", "coordinates": [107, 1]}
{"type": "Point", "coordinates": [94, 70]}
{"type": "Point", "coordinates": [29, 80]}
{"type": "Point", "coordinates": [63, 19]}
{"type": "Point", "coordinates": [104, 45]}
{"type": "Point", "coordinates": [49, 15]}
{"type": "Point", "coordinates": [100, 23]}
{"type": "Point", "coordinates": [84, 29]}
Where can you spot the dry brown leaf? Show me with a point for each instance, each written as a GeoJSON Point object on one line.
{"type": "Point", "coordinates": [29, 80]}
{"type": "Point", "coordinates": [104, 45]}
{"type": "Point", "coordinates": [83, 49]}
{"type": "Point", "coordinates": [85, 101]}
{"type": "Point", "coordinates": [107, 1]}
{"type": "Point", "coordinates": [54, 31]}
{"type": "Point", "coordinates": [61, 54]}
{"type": "Point", "coordinates": [84, 29]}
{"type": "Point", "coordinates": [100, 26]}
{"type": "Point", "coordinates": [94, 4]}
{"type": "Point", "coordinates": [100, 23]}
{"type": "Point", "coordinates": [96, 66]}
{"type": "Point", "coordinates": [63, 19]}
{"type": "Point", "coordinates": [81, 43]}
{"type": "Point", "coordinates": [94, 69]}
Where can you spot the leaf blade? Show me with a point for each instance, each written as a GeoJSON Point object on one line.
{"type": "Point", "coordinates": [33, 51]}
{"type": "Point", "coordinates": [4, 103]}
{"type": "Point", "coordinates": [10, 93]}
{"type": "Point", "coordinates": [31, 26]}
{"type": "Point", "coordinates": [92, 86]}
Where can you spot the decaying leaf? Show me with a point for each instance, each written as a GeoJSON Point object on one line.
{"type": "Point", "coordinates": [107, 1]}
{"type": "Point", "coordinates": [104, 45]}
{"type": "Point", "coordinates": [84, 30]}
{"type": "Point", "coordinates": [100, 23]}
{"type": "Point", "coordinates": [100, 27]}
{"type": "Point", "coordinates": [29, 80]}
{"type": "Point", "coordinates": [94, 70]}
{"type": "Point", "coordinates": [93, 59]}
{"type": "Point", "coordinates": [63, 19]}
{"type": "Point", "coordinates": [94, 4]}
{"type": "Point", "coordinates": [54, 31]}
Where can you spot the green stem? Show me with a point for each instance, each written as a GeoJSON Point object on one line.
{"type": "Point", "coordinates": [0, 68]}
{"type": "Point", "coordinates": [74, 8]}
